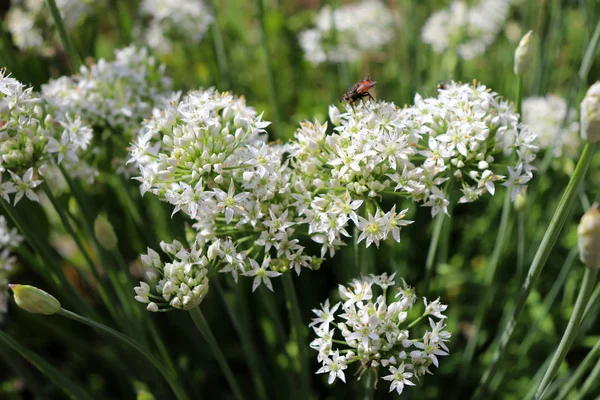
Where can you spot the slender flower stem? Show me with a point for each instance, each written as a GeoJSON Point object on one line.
{"type": "Point", "coordinates": [488, 283]}
{"type": "Point", "coordinates": [550, 237]}
{"type": "Point", "coordinates": [74, 57]}
{"type": "Point", "coordinates": [581, 369]}
{"type": "Point", "coordinates": [433, 246]}
{"type": "Point", "coordinates": [589, 280]}
{"type": "Point", "coordinates": [71, 388]}
{"type": "Point", "coordinates": [520, 245]}
{"type": "Point", "coordinates": [293, 307]}
{"type": "Point", "coordinates": [519, 94]}
{"type": "Point", "coordinates": [204, 329]}
{"type": "Point", "coordinates": [273, 103]}
{"type": "Point", "coordinates": [126, 340]}
{"type": "Point", "coordinates": [220, 49]}
{"type": "Point", "coordinates": [591, 381]}
{"type": "Point", "coordinates": [247, 344]}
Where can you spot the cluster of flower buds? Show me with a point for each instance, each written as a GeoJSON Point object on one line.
{"type": "Point", "coordinates": [377, 333]}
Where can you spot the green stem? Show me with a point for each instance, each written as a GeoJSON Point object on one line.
{"type": "Point", "coordinates": [74, 57]}
{"type": "Point", "coordinates": [204, 329]}
{"type": "Point", "coordinates": [520, 245]}
{"type": "Point", "coordinates": [581, 369]}
{"type": "Point", "coordinates": [433, 246]}
{"type": "Point", "coordinates": [550, 237]}
{"type": "Point", "coordinates": [273, 103]}
{"type": "Point", "coordinates": [126, 340]}
{"type": "Point", "coordinates": [293, 307]}
{"type": "Point", "coordinates": [220, 49]}
{"type": "Point", "coordinates": [72, 389]}
{"type": "Point", "coordinates": [519, 94]}
{"type": "Point", "coordinates": [589, 280]}
{"type": "Point", "coordinates": [489, 286]}
{"type": "Point", "coordinates": [591, 381]}
{"type": "Point", "coordinates": [247, 345]}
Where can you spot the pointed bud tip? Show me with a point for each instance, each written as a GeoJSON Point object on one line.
{"type": "Point", "coordinates": [523, 54]}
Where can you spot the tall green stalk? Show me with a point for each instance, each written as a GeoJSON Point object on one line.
{"type": "Point", "coordinates": [272, 92]}
{"type": "Point", "coordinates": [488, 283]}
{"type": "Point", "coordinates": [433, 246]}
{"type": "Point", "coordinates": [206, 332]}
{"type": "Point", "coordinates": [220, 49]}
{"type": "Point", "coordinates": [74, 57]}
{"type": "Point", "coordinates": [578, 373]}
{"type": "Point", "coordinates": [552, 232]}
{"type": "Point", "coordinates": [589, 280]}
{"type": "Point", "coordinates": [129, 342]}
{"type": "Point", "coordinates": [293, 307]}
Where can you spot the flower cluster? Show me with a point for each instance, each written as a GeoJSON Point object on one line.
{"type": "Point", "coordinates": [466, 30]}
{"type": "Point", "coordinates": [30, 137]}
{"type": "Point", "coordinates": [546, 116]}
{"type": "Point", "coordinates": [30, 22]}
{"type": "Point", "coordinates": [346, 33]}
{"type": "Point", "coordinates": [113, 95]}
{"type": "Point", "coordinates": [170, 21]}
{"type": "Point", "coordinates": [9, 240]}
{"type": "Point", "coordinates": [180, 283]}
{"type": "Point", "coordinates": [207, 155]}
{"type": "Point", "coordinates": [376, 333]}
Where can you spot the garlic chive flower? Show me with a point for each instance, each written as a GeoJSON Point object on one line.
{"type": "Point", "coordinates": [590, 114]}
{"type": "Point", "coordinates": [348, 32]}
{"type": "Point", "coordinates": [30, 137]}
{"type": "Point", "coordinates": [372, 332]}
{"type": "Point", "coordinates": [112, 96]}
{"type": "Point", "coordinates": [171, 21]}
{"type": "Point", "coordinates": [588, 233]}
{"type": "Point", "coordinates": [466, 30]}
{"type": "Point", "coordinates": [180, 283]}
{"type": "Point", "coordinates": [545, 117]}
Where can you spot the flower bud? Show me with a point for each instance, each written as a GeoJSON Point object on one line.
{"type": "Point", "coordinates": [523, 54]}
{"type": "Point", "coordinates": [590, 114]}
{"type": "Point", "coordinates": [105, 234]}
{"type": "Point", "coordinates": [35, 300]}
{"type": "Point", "coordinates": [520, 202]}
{"type": "Point", "coordinates": [588, 233]}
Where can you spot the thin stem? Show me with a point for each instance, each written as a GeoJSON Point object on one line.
{"type": "Point", "coordinates": [589, 280]}
{"type": "Point", "coordinates": [520, 245]}
{"type": "Point", "coordinates": [433, 246]}
{"type": "Point", "coordinates": [204, 329]}
{"type": "Point", "coordinates": [550, 237]}
{"type": "Point", "coordinates": [590, 381]}
{"type": "Point", "coordinates": [247, 344]}
{"type": "Point", "coordinates": [519, 94]}
{"type": "Point", "coordinates": [581, 369]}
{"type": "Point", "coordinates": [490, 288]}
{"type": "Point", "coordinates": [273, 103]}
{"type": "Point", "coordinates": [291, 302]}
{"type": "Point", "coordinates": [126, 340]}
{"type": "Point", "coordinates": [71, 388]}
{"type": "Point", "coordinates": [74, 57]}
{"type": "Point", "coordinates": [220, 49]}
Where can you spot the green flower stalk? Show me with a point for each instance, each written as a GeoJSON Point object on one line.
{"type": "Point", "coordinates": [105, 233]}
{"type": "Point", "coordinates": [589, 238]}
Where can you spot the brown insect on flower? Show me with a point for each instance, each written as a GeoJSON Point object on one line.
{"type": "Point", "coordinates": [359, 90]}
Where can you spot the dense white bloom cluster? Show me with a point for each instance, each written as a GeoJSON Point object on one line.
{"type": "Point", "coordinates": [466, 30]}
{"type": "Point", "coordinates": [545, 116]}
{"type": "Point", "coordinates": [30, 21]}
{"type": "Point", "coordinates": [113, 95]}
{"type": "Point", "coordinates": [469, 135]}
{"type": "Point", "coordinates": [377, 333]}
{"type": "Point", "coordinates": [180, 283]}
{"type": "Point", "coordinates": [170, 20]}
{"type": "Point", "coordinates": [348, 32]}
{"type": "Point", "coordinates": [9, 239]}
{"type": "Point", "coordinates": [30, 137]}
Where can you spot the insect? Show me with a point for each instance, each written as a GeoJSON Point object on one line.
{"type": "Point", "coordinates": [441, 85]}
{"type": "Point", "coordinates": [359, 90]}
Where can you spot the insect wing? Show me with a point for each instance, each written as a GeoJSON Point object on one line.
{"type": "Point", "coordinates": [364, 86]}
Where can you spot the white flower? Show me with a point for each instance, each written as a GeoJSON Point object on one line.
{"type": "Point", "coordinates": [261, 274]}
{"type": "Point", "coordinates": [335, 366]}
{"type": "Point", "coordinates": [25, 186]}
{"type": "Point", "coordinates": [324, 316]}
{"type": "Point", "coordinates": [399, 378]}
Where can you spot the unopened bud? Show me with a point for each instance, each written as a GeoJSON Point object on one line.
{"type": "Point", "coordinates": [590, 114]}
{"type": "Point", "coordinates": [35, 300]}
{"type": "Point", "coordinates": [520, 202]}
{"type": "Point", "coordinates": [523, 54]}
{"type": "Point", "coordinates": [105, 234]}
{"type": "Point", "coordinates": [588, 233]}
